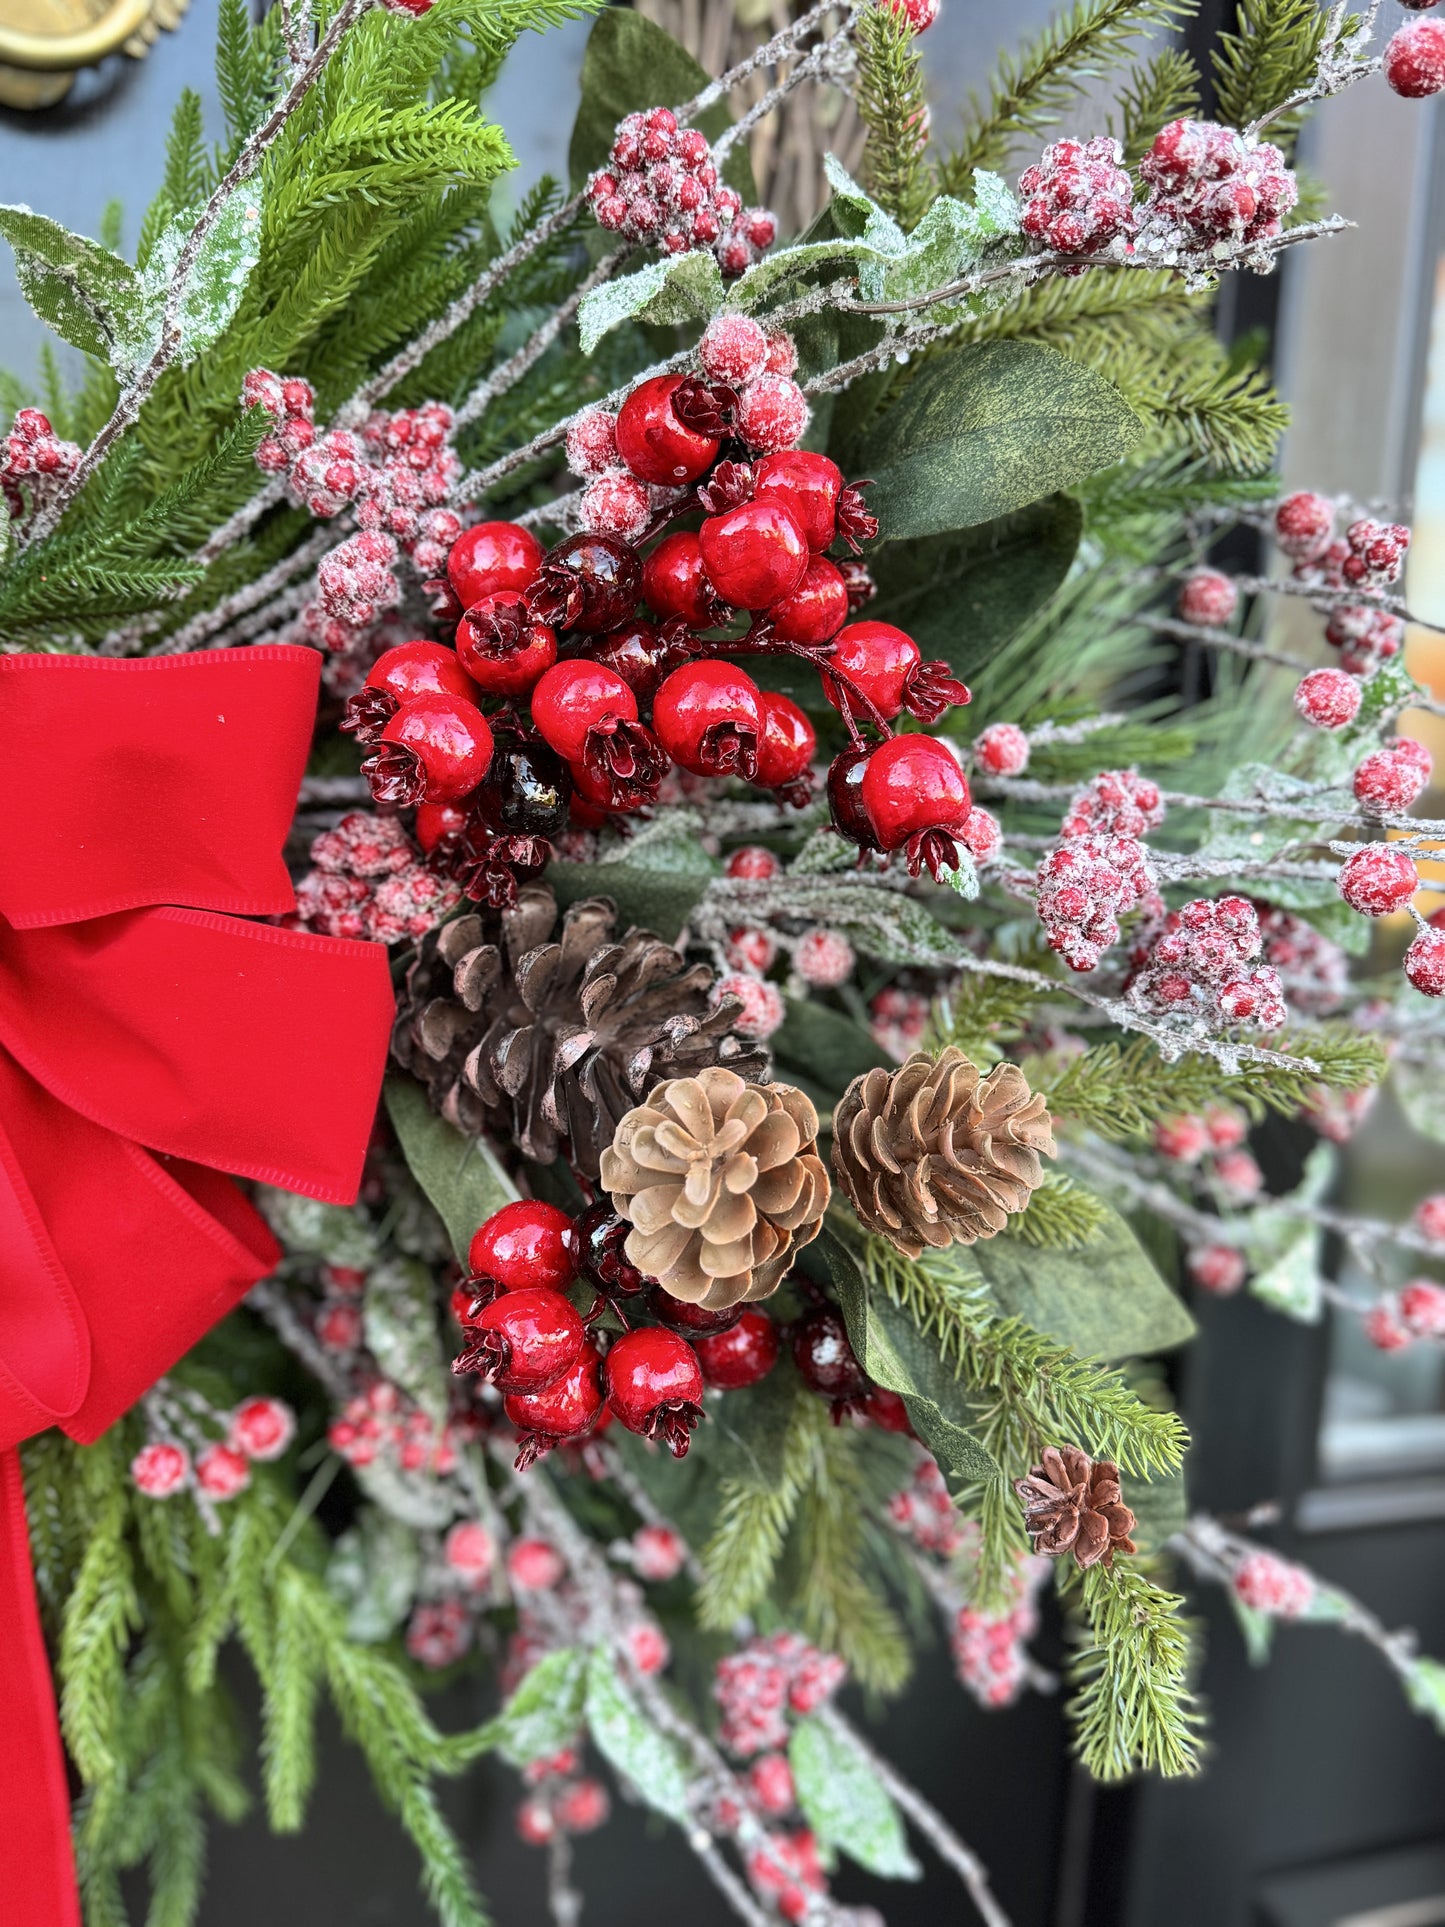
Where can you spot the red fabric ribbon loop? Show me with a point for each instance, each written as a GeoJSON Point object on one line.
{"type": "Point", "coordinates": [148, 1043]}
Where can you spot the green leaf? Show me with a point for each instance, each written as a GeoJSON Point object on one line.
{"type": "Point", "coordinates": [896, 1354]}
{"type": "Point", "coordinates": [461, 1175]}
{"type": "Point", "coordinates": [822, 1041]}
{"type": "Point", "coordinates": [846, 1804]}
{"type": "Point", "coordinates": [644, 1757]}
{"type": "Point", "coordinates": [544, 1715]}
{"type": "Point", "coordinates": [1421, 1092]}
{"type": "Point", "coordinates": [1103, 1299]}
{"type": "Point", "coordinates": [400, 1323]}
{"type": "Point", "coordinates": [984, 431]}
{"type": "Point", "coordinates": [962, 596]}
{"type": "Point", "coordinates": [654, 879]}
{"type": "Point", "coordinates": [339, 1233]}
{"type": "Point", "coordinates": [89, 296]}
{"type": "Point", "coordinates": [374, 1570]}
{"type": "Point", "coordinates": [215, 280]}
{"type": "Point", "coordinates": [632, 63]}
{"type": "Point", "coordinates": [680, 288]}
{"type": "Point", "coordinates": [1425, 1688]}
{"type": "Point", "coordinates": [1292, 1283]}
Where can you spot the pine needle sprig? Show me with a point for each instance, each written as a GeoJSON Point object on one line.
{"type": "Point", "coordinates": [1271, 53]}
{"type": "Point", "coordinates": [1060, 1216]}
{"type": "Point", "coordinates": [1132, 1708]}
{"type": "Point", "coordinates": [1030, 91]}
{"type": "Point", "coordinates": [1162, 89]}
{"type": "Point", "coordinates": [892, 103]}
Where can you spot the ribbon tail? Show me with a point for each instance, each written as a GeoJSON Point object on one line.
{"type": "Point", "coordinates": [39, 1870]}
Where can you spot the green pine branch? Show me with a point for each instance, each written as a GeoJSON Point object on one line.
{"type": "Point", "coordinates": [892, 103]}
{"type": "Point", "coordinates": [1060, 1216]}
{"type": "Point", "coordinates": [1132, 1708]}
{"type": "Point", "coordinates": [1271, 53]}
{"type": "Point", "coordinates": [1162, 89]}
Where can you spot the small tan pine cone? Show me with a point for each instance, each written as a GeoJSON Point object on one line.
{"type": "Point", "coordinates": [721, 1182]}
{"type": "Point", "coordinates": [934, 1153]}
{"type": "Point", "coordinates": [1073, 1503]}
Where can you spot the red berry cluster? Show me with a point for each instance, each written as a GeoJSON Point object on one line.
{"type": "Point", "coordinates": [897, 1020]}
{"type": "Point", "coordinates": [1208, 183]}
{"type": "Point", "coordinates": [1200, 962]}
{"type": "Point", "coordinates": [562, 1802]}
{"type": "Point", "coordinates": [990, 1648]}
{"type": "Point", "coordinates": [34, 463]}
{"type": "Point", "coordinates": [259, 1429]}
{"type": "Point", "coordinates": [1188, 1137]}
{"type": "Point", "coordinates": [1370, 556]}
{"type": "Point", "coordinates": [1313, 970]}
{"type": "Point", "coordinates": [926, 1511]}
{"type": "Point", "coordinates": [368, 881]}
{"type": "Point", "coordinates": [1078, 196]}
{"type": "Point", "coordinates": [759, 1686]}
{"type": "Point", "coordinates": [1273, 1585]}
{"type": "Point", "coordinates": [1388, 781]}
{"type": "Point", "coordinates": [660, 189]}
{"type": "Point", "coordinates": [1084, 887]}
{"type": "Point", "coordinates": [1365, 636]}
{"type": "Point", "coordinates": [1116, 802]}
{"type": "Point", "coordinates": [1218, 1269]}
{"type": "Point", "coordinates": [381, 1423]}
{"type": "Point", "coordinates": [1397, 1320]}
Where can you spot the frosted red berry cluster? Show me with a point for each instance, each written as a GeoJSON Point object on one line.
{"type": "Point", "coordinates": [1273, 1585]}
{"type": "Point", "coordinates": [990, 1649]}
{"type": "Point", "coordinates": [1078, 196]}
{"type": "Point", "coordinates": [368, 880]}
{"type": "Point", "coordinates": [216, 1469]}
{"type": "Point", "coordinates": [1084, 887]}
{"type": "Point", "coordinates": [1205, 961]}
{"type": "Point", "coordinates": [1208, 184]}
{"type": "Point", "coordinates": [1369, 556]}
{"type": "Point", "coordinates": [758, 1688]}
{"type": "Point", "coordinates": [383, 1425]}
{"type": "Point", "coordinates": [1116, 802]}
{"type": "Point", "coordinates": [35, 461]}
{"type": "Point", "coordinates": [1313, 970]}
{"type": "Point", "coordinates": [660, 189]}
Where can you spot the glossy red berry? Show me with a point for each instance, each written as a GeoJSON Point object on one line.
{"type": "Point", "coordinates": [524, 1341]}
{"type": "Point", "coordinates": [602, 1258]}
{"type": "Point", "coordinates": [916, 795]}
{"type": "Point", "coordinates": [825, 1359]}
{"type": "Point", "coordinates": [490, 557]}
{"type": "Point", "coordinates": [589, 582]}
{"type": "Point", "coordinates": [886, 1410]}
{"type": "Point", "coordinates": [877, 660]}
{"type": "Point", "coordinates": [741, 1355]}
{"type": "Point", "coordinates": [636, 653]}
{"type": "Point", "coordinates": [817, 608]}
{"type": "Point", "coordinates": [684, 1316]}
{"type": "Point", "coordinates": [503, 647]}
{"type": "Point", "coordinates": [401, 674]}
{"type": "Point", "coordinates": [587, 713]}
{"type": "Point", "coordinates": [709, 718]}
{"type": "Point", "coordinates": [437, 823]}
{"type": "Point", "coordinates": [674, 582]}
{"type": "Point", "coordinates": [565, 1410]}
{"type": "Point", "coordinates": [527, 1242]}
{"type": "Point", "coordinates": [654, 1385]}
{"type": "Point", "coordinates": [785, 748]}
{"type": "Point", "coordinates": [434, 750]}
{"type": "Point", "coordinates": [807, 485]}
{"type": "Point", "coordinates": [845, 798]}
{"type": "Point", "coordinates": [754, 554]}
{"type": "Point", "coordinates": [654, 443]}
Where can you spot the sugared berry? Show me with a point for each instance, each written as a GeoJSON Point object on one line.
{"type": "Point", "coordinates": [161, 1469]}
{"type": "Point", "coordinates": [222, 1472]}
{"type": "Point", "coordinates": [1389, 780]}
{"type": "Point", "coordinates": [1217, 1269]}
{"type": "Point", "coordinates": [1414, 60]}
{"type": "Point", "coordinates": [1425, 963]}
{"type": "Point", "coordinates": [470, 1552]}
{"type": "Point", "coordinates": [616, 503]}
{"type": "Point", "coordinates": [753, 862]}
{"type": "Point", "coordinates": [262, 1427]}
{"type": "Point", "coordinates": [1208, 598]}
{"type": "Point", "coordinates": [1378, 880]}
{"type": "Point", "coordinates": [658, 1554]}
{"type": "Point", "coordinates": [733, 349]}
{"type": "Point", "coordinates": [824, 959]}
{"type": "Point", "coordinates": [1001, 750]}
{"type": "Point", "coordinates": [760, 1004]}
{"type": "Point", "coordinates": [1078, 196]}
{"type": "Point", "coordinates": [1328, 698]}
{"type": "Point", "coordinates": [592, 442]}
{"type": "Point", "coordinates": [1303, 525]}
{"type": "Point", "coordinates": [772, 414]}
{"type": "Point", "coordinates": [534, 1565]}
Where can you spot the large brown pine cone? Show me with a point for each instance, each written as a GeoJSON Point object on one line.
{"type": "Point", "coordinates": [1073, 1503]}
{"type": "Point", "coordinates": [547, 1035]}
{"type": "Point", "coordinates": [934, 1153]}
{"type": "Point", "coordinates": [721, 1182]}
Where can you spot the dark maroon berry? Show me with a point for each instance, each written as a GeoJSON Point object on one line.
{"type": "Point", "coordinates": [565, 1410]}
{"type": "Point", "coordinates": [635, 653]}
{"type": "Point", "coordinates": [527, 790]}
{"type": "Point", "coordinates": [886, 1410]}
{"type": "Point", "coordinates": [845, 798]}
{"type": "Point", "coordinates": [692, 1318]}
{"type": "Point", "coordinates": [826, 1359]}
{"type": "Point", "coordinates": [601, 1259]}
{"type": "Point", "coordinates": [654, 1385]}
{"type": "Point", "coordinates": [741, 1355]}
{"type": "Point", "coordinates": [524, 1341]}
{"type": "Point", "coordinates": [588, 582]}
{"type": "Point", "coordinates": [859, 582]}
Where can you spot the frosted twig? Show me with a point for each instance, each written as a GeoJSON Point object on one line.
{"type": "Point", "coordinates": [768, 55]}
{"type": "Point", "coordinates": [251, 595]}
{"type": "Point", "coordinates": [1338, 66]}
{"type": "Point", "coordinates": [563, 1899]}
{"type": "Point", "coordinates": [816, 65]}
{"type": "Point", "coordinates": [168, 344]}
{"type": "Point", "coordinates": [1221, 639]}
{"type": "Point", "coordinates": [512, 370]}
{"type": "Point", "coordinates": [1024, 790]}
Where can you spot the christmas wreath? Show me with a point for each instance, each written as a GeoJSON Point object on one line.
{"type": "Point", "coordinates": [714, 678]}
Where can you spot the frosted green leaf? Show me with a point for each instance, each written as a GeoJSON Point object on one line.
{"type": "Point", "coordinates": [1425, 1688]}
{"type": "Point", "coordinates": [647, 1759]}
{"type": "Point", "coordinates": [1292, 1284]}
{"type": "Point", "coordinates": [824, 853]}
{"type": "Point", "coordinates": [963, 878]}
{"type": "Point", "coordinates": [459, 1174]}
{"type": "Point", "coordinates": [89, 296]}
{"type": "Point", "coordinates": [995, 203]}
{"type": "Point", "coordinates": [421, 1502]}
{"type": "Point", "coordinates": [882, 924]}
{"type": "Point", "coordinates": [683, 288]}
{"type": "Point", "coordinates": [1421, 1092]}
{"type": "Point", "coordinates": [340, 1235]}
{"type": "Point", "coordinates": [214, 282]}
{"type": "Point", "coordinates": [374, 1570]}
{"type": "Point", "coordinates": [846, 1804]}
{"type": "Point", "coordinates": [545, 1713]}
{"type": "Point", "coordinates": [1256, 1627]}
{"type": "Point", "coordinates": [399, 1318]}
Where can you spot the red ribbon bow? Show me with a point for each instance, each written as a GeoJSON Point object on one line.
{"type": "Point", "coordinates": [148, 1042]}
